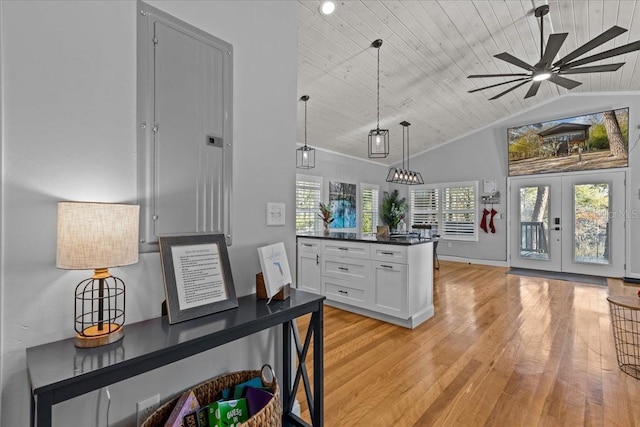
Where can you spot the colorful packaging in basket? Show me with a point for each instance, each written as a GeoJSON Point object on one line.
{"type": "Point", "coordinates": [228, 413]}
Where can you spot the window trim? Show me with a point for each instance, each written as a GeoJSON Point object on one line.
{"type": "Point", "coordinates": [376, 212]}
{"type": "Point", "coordinates": [441, 211]}
{"type": "Point", "coordinates": [313, 179]}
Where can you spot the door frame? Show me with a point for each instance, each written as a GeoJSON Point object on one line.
{"type": "Point", "coordinates": [618, 207]}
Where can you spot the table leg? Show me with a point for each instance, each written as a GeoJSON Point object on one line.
{"type": "Point", "coordinates": [41, 407]}
{"type": "Point", "coordinates": [318, 367]}
{"type": "Point", "coordinates": [287, 399]}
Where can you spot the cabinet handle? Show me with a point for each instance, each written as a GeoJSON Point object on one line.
{"type": "Point", "coordinates": [387, 253]}
{"type": "Point", "coordinates": [343, 249]}
{"type": "Point", "coordinates": [343, 268]}
{"type": "Point", "coordinates": [317, 259]}
{"type": "Point", "coordinates": [343, 292]}
{"type": "Point", "coordinates": [386, 266]}
{"type": "Point", "coordinates": [307, 245]}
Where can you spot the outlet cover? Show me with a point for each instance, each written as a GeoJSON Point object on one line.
{"type": "Point", "coordinates": [146, 407]}
{"type": "Point", "coordinates": [275, 213]}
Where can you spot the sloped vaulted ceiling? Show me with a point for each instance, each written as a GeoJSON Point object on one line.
{"type": "Point", "coordinates": [429, 48]}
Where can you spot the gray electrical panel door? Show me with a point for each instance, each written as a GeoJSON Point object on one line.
{"type": "Point", "coordinates": [190, 134]}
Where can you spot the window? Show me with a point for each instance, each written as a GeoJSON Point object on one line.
{"type": "Point", "coordinates": [308, 196]}
{"type": "Point", "coordinates": [423, 206]}
{"type": "Point", "coordinates": [369, 207]}
{"type": "Point", "coordinates": [459, 212]}
{"type": "Point", "coordinates": [449, 207]}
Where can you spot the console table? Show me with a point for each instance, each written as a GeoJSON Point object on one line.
{"type": "Point", "coordinates": [59, 371]}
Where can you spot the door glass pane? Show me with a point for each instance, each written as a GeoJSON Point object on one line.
{"type": "Point", "coordinates": [591, 214]}
{"type": "Point", "coordinates": [534, 222]}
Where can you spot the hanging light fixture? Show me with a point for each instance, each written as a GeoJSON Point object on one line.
{"type": "Point", "coordinates": [378, 138]}
{"type": "Point", "coordinates": [404, 176]}
{"type": "Point", "coordinates": [305, 156]}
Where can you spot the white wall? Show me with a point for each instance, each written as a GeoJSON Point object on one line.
{"type": "Point", "coordinates": [483, 155]}
{"type": "Point", "coordinates": [336, 167]}
{"type": "Point", "coordinates": [69, 73]}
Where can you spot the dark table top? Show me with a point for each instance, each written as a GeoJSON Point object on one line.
{"type": "Point", "coordinates": [154, 342]}
{"type": "Point", "coordinates": [400, 239]}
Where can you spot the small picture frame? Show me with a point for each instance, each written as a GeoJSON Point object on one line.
{"type": "Point", "coordinates": [197, 276]}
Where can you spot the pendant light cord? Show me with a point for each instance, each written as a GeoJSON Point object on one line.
{"type": "Point", "coordinates": [378, 125]}
{"type": "Point", "coordinates": [409, 169]}
{"type": "Point", "coordinates": [404, 127]}
{"type": "Point", "coordinates": [305, 124]}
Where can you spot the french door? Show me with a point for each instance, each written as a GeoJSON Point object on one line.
{"type": "Point", "coordinates": [570, 223]}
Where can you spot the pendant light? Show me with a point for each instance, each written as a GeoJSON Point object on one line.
{"type": "Point", "coordinates": [404, 176]}
{"type": "Point", "coordinates": [378, 138]}
{"type": "Point", "coordinates": [305, 156]}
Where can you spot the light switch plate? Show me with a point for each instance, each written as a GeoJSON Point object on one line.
{"type": "Point", "coordinates": [275, 213]}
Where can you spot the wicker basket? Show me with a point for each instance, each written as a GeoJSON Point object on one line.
{"type": "Point", "coordinates": [211, 391]}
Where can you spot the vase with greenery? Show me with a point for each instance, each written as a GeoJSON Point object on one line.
{"type": "Point", "coordinates": [393, 209]}
{"type": "Point", "coordinates": [326, 215]}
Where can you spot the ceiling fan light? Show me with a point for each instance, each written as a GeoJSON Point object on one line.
{"type": "Point", "coordinates": [540, 76]}
{"type": "Point", "coordinates": [327, 7]}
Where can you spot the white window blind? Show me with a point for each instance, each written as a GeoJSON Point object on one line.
{"type": "Point", "coordinates": [459, 212]}
{"type": "Point", "coordinates": [369, 207]}
{"type": "Point", "coordinates": [308, 196]}
{"type": "Point", "coordinates": [424, 206]}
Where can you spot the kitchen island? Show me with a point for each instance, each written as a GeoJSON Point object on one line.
{"type": "Point", "coordinates": [387, 278]}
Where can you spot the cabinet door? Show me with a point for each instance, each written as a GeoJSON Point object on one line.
{"type": "Point", "coordinates": [309, 272]}
{"type": "Point", "coordinates": [391, 294]}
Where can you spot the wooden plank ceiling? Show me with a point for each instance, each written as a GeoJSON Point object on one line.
{"type": "Point", "coordinates": [429, 48]}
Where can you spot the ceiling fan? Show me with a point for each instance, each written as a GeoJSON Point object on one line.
{"type": "Point", "coordinates": [545, 69]}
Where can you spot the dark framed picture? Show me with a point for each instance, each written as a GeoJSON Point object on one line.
{"type": "Point", "coordinates": [197, 276]}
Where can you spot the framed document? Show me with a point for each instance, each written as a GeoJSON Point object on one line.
{"type": "Point", "coordinates": [197, 276]}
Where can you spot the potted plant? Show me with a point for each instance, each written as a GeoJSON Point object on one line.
{"type": "Point", "coordinates": [393, 209]}
{"type": "Point", "coordinates": [326, 215]}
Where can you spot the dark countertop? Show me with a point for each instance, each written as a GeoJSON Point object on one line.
{"type": "Point", "coordinates": [403, 240]}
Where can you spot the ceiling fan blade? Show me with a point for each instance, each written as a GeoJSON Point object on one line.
{"type": "Point", "coordinates": [513, 60]}
{"type": "Point", "coordinates": [565, 83]}
{"type": "Point", "coordinates": [604, 55]}
{"type": "Point", "coordinates": [508, 90]}
{"type": "Point", "coordinates": [611, 33]}
{"type": "Point", "coordinates": [497, 84]}
{"type": "Point", "coordinates": [553, 47]}
{"type": "Point", "coordinates": [593, 69]}
{"type": "Point", "coordinates": [533, 89]}
{"type": "Point", "coordinates": [476, 76]}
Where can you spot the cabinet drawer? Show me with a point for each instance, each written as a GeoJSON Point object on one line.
{"type": "Point", "coordinates": [342, 291]}
{"type": "Point", "coordinates": [309, 245]}
{"type": "Point", "coordinates": [352, 269]}
{"type": "Point", "coordinates": [346, 249]}
{"type": "Point", "coordinates": [391, 253]}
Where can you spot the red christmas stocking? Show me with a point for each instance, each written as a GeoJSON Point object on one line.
{"type": "Point", "coordinates": [483, 223]}
{"type": "Point", "coordinates": [491, 226]}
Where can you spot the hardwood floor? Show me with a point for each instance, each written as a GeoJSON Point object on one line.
{"type": "Point", "coordinates": [501, 350]}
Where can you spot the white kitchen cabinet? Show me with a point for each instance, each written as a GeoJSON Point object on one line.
{"type": "Point", "coordinates": [391, 289]}
{"type": "Point", "coordinates": [389, 282]}
{"type": "Point", "coordinates": [308, 266]}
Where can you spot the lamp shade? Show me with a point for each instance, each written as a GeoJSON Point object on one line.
{"type": "Point", "coordinates": [96, 235]}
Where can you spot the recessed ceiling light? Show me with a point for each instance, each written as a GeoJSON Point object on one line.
{"type": "Point", "coordinates": [327, 7]}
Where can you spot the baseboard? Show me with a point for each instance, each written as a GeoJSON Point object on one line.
{"type": "Point", "coordinates": [411, 323]}
{"type": "Point", "coordinates": [633, 280]}
{"type": "Point", "coordinates": [473, 261]}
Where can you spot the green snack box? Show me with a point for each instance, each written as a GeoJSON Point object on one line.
{"type": "Point", "coordinates": [228, 413]}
